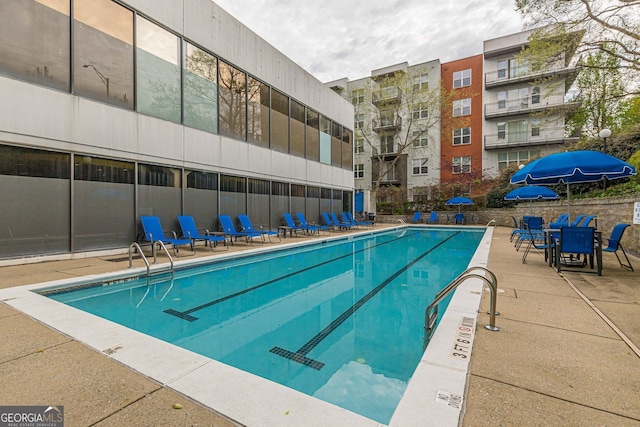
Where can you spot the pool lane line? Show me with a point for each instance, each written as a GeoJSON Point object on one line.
{"type": "Point", "coordinates": [300, 356]}
{"type": "Point", "coordinates": [186, 315]}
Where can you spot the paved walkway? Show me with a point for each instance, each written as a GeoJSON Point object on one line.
{"type": "Point", "coordinates": [559, 359]}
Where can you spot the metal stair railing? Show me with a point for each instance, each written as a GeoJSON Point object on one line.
{"type": "Point", "coordinates": [162, 246]}
{"type": "Point", "coordinates": [431, 313]}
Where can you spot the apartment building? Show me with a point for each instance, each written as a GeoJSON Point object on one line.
{"type": "Point", "coordinates": [115, 109]}
{"type": "Point", "coordinates": [396, 129]}
{"type": "Point", "coordinates": [461, 137]}
{"type": "Point", "coordinates": [526, 104]}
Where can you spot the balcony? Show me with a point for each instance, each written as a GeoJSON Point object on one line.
{"type": "Point", "coordinates": [386, 96]}
{"type": "Point", "coordinates": [544, 136]}
{"type": "Point", "coordinates": [524, 74]}
{"type": "Point", "coordinates": [529, 105]}
{"type": "Point", "coordinates": [387, 124]}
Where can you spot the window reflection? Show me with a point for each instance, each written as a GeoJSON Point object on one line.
{"type": "Point", "coordinates": [200, 107]}
{"type": "Point", "coordinates": [158, 71]}
{"type": "Point", "coordinates": [259, 107]}
{"type": "Point", "coordinates": [347, 149]}
{"type": "Point", "coordinates": [233, 101]}
{"type": "Point", "coordinates": [280, 121]}
{"type": "Point", "coordinates": [312, 136]}
{"type": "Point", "coordinates": [297, 128]}
{"type": "Point", "coordinates": [34, 41]}
{"type": "Point", "coordinates": [103, 51]}
{"type": "Point", "coordinates": [325, 140]}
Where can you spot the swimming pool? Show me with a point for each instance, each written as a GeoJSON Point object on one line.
{"type": "Point", "coordinates": [328, 301]}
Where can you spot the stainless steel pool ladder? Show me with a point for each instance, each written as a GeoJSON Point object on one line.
{"type": "Point", "coordinates": [137, 247]}
{"type": "Point", "coordinates": [431, 313]}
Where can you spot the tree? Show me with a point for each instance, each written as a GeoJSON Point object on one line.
{"type": "Point", "coordinates": [401, 114]}
{"type": "Point", "coordinates": [610, 27]}
{"type": "Point", "coordinates": [601, 90]}
{"type": "Point", "coordinates": [629, 116]}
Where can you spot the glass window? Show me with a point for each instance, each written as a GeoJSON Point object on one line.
{"type": "Point", "coordinates": [357, 96]}
{"type": "Point", "coordinates": [200, 105]}
{"type": "Point", "coordinates": [358, 146]}
{"type": "Point", "coordinates": [462, 136]}
{"type": "Point", "coordinates": [420, 111]}
{"type": "Point", "coordinates": [358, 170]}
{"type": "Point", "coordinates": [502, 130]}
{"type": "Point", "coordinates": [158, 71]}
{"type": "Point", "coordinates": [421, 82]}
{"type": "Point", "coordinates": [502, 69]}
{"type": "Point", "coordinates": [325, 140]}
{"type": "Point", "coordinates": [347, 149]}
{"type": "Point", "coordinates": [358, 121]}
{"type": "Point", "coordinates": [34, 41]}
{"type": "Point", "coordinates": [258, 123]}
{"type": "Point", "coordinates": [502, 99]}
{"type": "Point", "coordinates": [420, 139]}
{"type": "Point", "coordinates": [535, 127]}
{"type": "Point", "coordinates": [462, 107]}
{"type": "Point", "coordinates": [280, 121]}
{"type": "Point", "coordinates": [535, 95]}
{"type": "Point", "coordinates": [420, 166]}
{"type": "Point", "coordinates": [516, 157]}
{"type": "Point", "coordinates": [461, 165]}
{"type": "Point", "coordinates": [232, 85]}
{"type": "Point", "coordinates": [336, 144]}
{"type": "Point", "coordinates": [297, 124]}
{"type": "Point", "coordinates": [313, 135]}
{"type": "Point", "coordinates": [103, 51]}
{"type": "Point", "coordinates": [462, 78]}
{"type": "Point", "coordinates": [159, 176]}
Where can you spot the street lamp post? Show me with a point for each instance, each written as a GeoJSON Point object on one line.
{"type": "Point", "coordinates": [604, 134]}
{"type": "Point", "coordinates": [104, 79]}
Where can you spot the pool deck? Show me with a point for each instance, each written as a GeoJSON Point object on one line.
{"type": "Point", "coordinates": [567, 352]}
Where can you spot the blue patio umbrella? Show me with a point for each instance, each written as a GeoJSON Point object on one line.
{"type": "Point", "coordinates": [531, 193]}
{"type": "Point", "coordinates": [573, 167]}
{"type": "Point", "coordinates": [458, 201]}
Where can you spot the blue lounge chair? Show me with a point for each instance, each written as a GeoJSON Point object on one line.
{"type": "Point", "coordinates": [332, 224]}
{"type": "Point", "coordinates": [153, 232]}
{"type": "Point", "coordinates": [310, 227]}
{"type": "Point", "coordinates": [342, 224]}
{"type": "Point", "coordinates": [573, 242]}
{"type": "Point", "coordinates": [587, 220]}
{"type": "Point", "coordinates": [433, 218]}
{"type": "Point", "coordinates": [350, 217]}
{"type": "Point", "coordinates": [613, 244]}
{"type": "Point", "coordinates": [417, 217]}
{"type": "Point", "coordinates": [288, 219]}
{"type": "Point", "coordinates": [459, 218]}
{"type": "Point", "coordinates": [533, 226]}
{"type": "Point", "coordinates": [190, 231]}
{"type": "Point", "coordinates": [247, 226]}
{"type": "Point", "coordinates": [516, 231]}
{"type": "Point", "coordinates": [233, 234]}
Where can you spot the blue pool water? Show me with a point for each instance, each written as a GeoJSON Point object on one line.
{"type": "Point", "coordinates": [341, 320]}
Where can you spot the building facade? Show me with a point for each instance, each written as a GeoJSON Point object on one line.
{"type": "Point", "coordinates": [396, 129]}
{"type": "Point", "coordinates": [115, 109]}
{"type": "Point", "coordinates": [461, 137]}
{"type": "Point", "coordinates": [526, 105]}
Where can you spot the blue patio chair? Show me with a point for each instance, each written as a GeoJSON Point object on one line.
{"type": "Point", "coordinates": [417, 217]}
{"type": "Point", "coordinates": [538, 241]}
{"type": "Point", "coordinates": [533, 225]}
{"type": "Point", "coordinates": [459, 218]}
{"type": "Point", "coordinates": [153, 232]}
{"type": "Point", "coordinates": [247, 226]}
{"type": "Point", "coordinates": [433, 218]}
{"type": "Point", "coordinates": [587, 220]}
{"type": "Point", "coordinates": [289, 221]}
{"type": "Point", "coordinates": [190, 231]}
{"type": "Point", "coordinates": [574, 242]}
{"type": "Point", "coordinates": [310, 227]}
{"type": "Point", "coordinates": [516, 231]}
{"type": "Point", "coordinates": [613, 244]}
{"type": "Point", "coordinates": [230, 231]}
{"type": "Point", "coordinates": [358, 222]}
{"type": "Point", "coordinates": [341, 224]}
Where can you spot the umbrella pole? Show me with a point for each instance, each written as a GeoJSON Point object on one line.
{"type": "Point", "coordinates": [568, 204]}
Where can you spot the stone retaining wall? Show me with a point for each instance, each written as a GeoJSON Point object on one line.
{"type": "Point", "coordinates": [608, 211]}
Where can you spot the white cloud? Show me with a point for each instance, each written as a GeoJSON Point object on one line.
{"type": "Point", "coordinates": [336, 38]}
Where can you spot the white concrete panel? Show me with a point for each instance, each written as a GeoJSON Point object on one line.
{"type": "Point", "coordinates": [281, 167]}
{"type": "Point", "coordinates": [259, 160]}
{"type": "Point", "coordinates": [102, 126]}
{"type": "Point", "coordinates": [159, 140]}
{"type": "Point", "coordinates": [201, 149]}
{"type": "Point", "coordinates": [234, 155]}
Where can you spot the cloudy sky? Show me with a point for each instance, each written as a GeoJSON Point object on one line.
{"type": "Point", "coordinates": [333, 39]}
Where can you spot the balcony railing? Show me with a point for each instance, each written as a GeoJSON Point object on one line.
{"type": "Point", "coordinates": [528, 138]}
{"type": "Point", "coordinates": [513, 107]}
{"type": "Point", "coordinates": [386, 124]}
{"type": "Point", "coordinates": [387, 95]}
{"type": "Point", "coordinates": [525, 73]}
